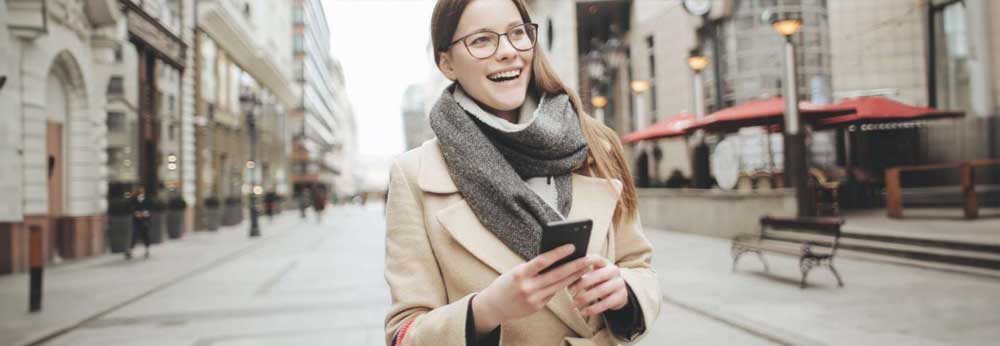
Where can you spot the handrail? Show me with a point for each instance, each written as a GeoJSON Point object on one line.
{"type": "Point", "coordinates": [935, 166]}
{"type": "Point", "coordinates": [970, 207]}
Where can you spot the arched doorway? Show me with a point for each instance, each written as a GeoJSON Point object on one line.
{"type": "Point", "coordinates": [64, 107]}
{"type": "Point", "coordinates": [56, 109]}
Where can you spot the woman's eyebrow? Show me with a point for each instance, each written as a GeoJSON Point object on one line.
{"type": "Point", "coordinates": [509, 25]}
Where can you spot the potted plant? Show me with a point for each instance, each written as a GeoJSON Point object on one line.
{"type": "Point", "coordinates": [157, 220]}
{"type": "Point", "coordinates": [175, 217]}
{"type": "Point", "coordinates": [231, 213]}
{"type": "Point", "coordinates": [211, 215]}
{"type": "Point", "coordinates": [119, 224]}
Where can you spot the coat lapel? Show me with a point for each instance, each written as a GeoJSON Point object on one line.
{"type": "Point", "coordinates": [593, 198]}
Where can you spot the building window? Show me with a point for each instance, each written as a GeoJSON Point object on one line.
{"type": "Point", "coordinates": [950, 88]}
{"type": "Point", "coordinates": [298, 15]}
{"type": "Point", "coordinates": [549, 33]}
{"type": "Point", "coordinates": [116, 122]}
{"type": "Point", "coordinates": [299, 44]}
{"type": "Point", "coordinates": [116, 86]}
{"type": "Point", "coordinates": [651, 50]}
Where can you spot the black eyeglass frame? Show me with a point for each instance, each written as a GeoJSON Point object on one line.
{"type": "Point", "coordinates": [534, 41]}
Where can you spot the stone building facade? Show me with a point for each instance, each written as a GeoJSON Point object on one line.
{"type": "Point", "coordinates": [229, 62]}
{"type": "Point", "coordinates": [52, 127]}
{"type": "Point", "coordinates": [937, 53]}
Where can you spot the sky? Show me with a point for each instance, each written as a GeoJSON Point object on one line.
{"type": "Point", "coordinates": [380, 44]}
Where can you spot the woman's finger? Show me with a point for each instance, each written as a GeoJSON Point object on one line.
{"type": "Point", "coordinates": [602, 290]}
{"type": "Point", "coordinates": [616, 299]}
{"type": "Point", "coordinates": [565, 282]}
{"type": "Point", "coordinates": [562, 272]}
{"type": "Point", "coordinates": [593, 278]}
{"type": "Point", "coordinates": [544, 260]}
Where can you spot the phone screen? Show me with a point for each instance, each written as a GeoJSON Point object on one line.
{"type": "Point", "coordinates": [556, 234]}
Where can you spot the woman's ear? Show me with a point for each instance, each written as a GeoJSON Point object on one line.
{"type": "Point", "coordinates": [444, 64]}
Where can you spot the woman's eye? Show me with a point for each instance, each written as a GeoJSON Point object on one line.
{"type": "Point", "coordinates": [517, 33]}
{"type": "Point", "coordinates": [480, 41]}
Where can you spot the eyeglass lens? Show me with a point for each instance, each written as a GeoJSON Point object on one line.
{"type": "Point", "coordinates": [484, 44]}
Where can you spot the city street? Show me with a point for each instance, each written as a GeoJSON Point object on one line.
{"type": "Point", "coordinates": [311, 283]}
{"type": "Point", "coordinates": [304, 283]}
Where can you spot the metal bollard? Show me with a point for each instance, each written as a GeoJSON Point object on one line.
{"type": "Point", "coordinates": [37, 262]}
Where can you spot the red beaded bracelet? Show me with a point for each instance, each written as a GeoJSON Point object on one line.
{"type": "Point", "coordinates": [402, 332]}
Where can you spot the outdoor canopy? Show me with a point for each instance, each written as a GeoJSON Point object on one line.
{"type": "Point", "coordinates": [676, 125]}
{"type": "Point", "coordinates": [877, 109]}
{"type": "Point", "coordinates": [765, 113]}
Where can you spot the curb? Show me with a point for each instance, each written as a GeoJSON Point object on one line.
{"type": "Point", "coordinates": [770, 333]}
{"type": "Point", "coordinates": [46, 336]}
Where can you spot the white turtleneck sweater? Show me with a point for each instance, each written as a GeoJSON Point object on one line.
{"type": "Point", "coordinates": [544, 187]}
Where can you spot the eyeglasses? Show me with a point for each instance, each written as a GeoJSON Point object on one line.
{"type": "Point", "coordinates": [483, 44]}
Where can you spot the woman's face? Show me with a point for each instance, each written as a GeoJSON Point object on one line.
{"type": "Point", "coordinates": [498, 82]}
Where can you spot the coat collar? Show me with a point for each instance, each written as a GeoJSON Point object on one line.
{"type": "Point", "coordinates": [593, 198]}
{"type": "Point", "coordinates": [433, 175]}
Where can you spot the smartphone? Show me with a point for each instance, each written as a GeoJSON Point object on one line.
{"type": "Point", "coordinates": [559, 233]}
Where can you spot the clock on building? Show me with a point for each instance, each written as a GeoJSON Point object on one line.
{"type": "Point", "coordinates": [698, 7]}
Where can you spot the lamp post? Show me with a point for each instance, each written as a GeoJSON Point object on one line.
{"type": "Point", "coordinates": [599, 102]}
{"type": "Point", "coordinates": [249, 103]}
{"type": "Point", "coordinates": [796, 159]}
{"type": "Point", "coordinates": [699, 157]}
{"type": "Point", "coordinates": [639, 87]}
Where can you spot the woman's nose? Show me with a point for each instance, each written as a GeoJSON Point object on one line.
{"type": "Point", "coordinates": [505, 50]}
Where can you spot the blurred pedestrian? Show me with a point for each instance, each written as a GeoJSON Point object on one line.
{"type": "Point", "coordinates": [303, 199]}
{"type": "Point", "coordinates": [319, 202]}
{"type": "Point", "coordinates": [140, 206]}
{"type": "Point", "coordinates": [514, 151]}
{"type": "Point", "coordinates": [270, 199]}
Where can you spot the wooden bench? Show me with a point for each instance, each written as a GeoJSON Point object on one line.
{"type": "Point", "coordinates": [813, 240]}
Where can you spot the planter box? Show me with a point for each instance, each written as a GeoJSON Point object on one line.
{"type": "Point", "coordinates": [232, 214]}
{"type": "Point", "coordinates": [712, 212]}
{"type": "Point", "coordinates": [211, 217]}
{"type": "Point", "coordinates": [156, 224]}
{"type": "Point", "coordinates": [119, 232]}
{"type": "Point", "coordinates": [175, 223]}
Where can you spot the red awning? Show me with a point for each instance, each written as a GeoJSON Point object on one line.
{"type": "Point", "coordinates": [765, 113]}
{"type": "Point", "coordinates": [877, 109]}
{"type": "Point", "coordinates": [676, 125]}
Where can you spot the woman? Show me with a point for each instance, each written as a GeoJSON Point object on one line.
{"type": "Point", "coordinates": [465, 210]}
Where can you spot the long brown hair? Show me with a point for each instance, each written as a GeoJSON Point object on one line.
{"type": "Point", "coordinates": [605, 147]}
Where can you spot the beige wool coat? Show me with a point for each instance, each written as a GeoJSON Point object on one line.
{"type": "Point", "coordinates": [438, 255]}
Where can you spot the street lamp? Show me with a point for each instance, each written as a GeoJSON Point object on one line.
{"type": "Point", "coordinates": [699, 157]}
{"type": "Point", "coordinates": [249, 103]}
{"type": "Point", "coordinates": [796, 159]}
{"type": "Point", "coordinates": [599, 102]}
{"type": "Point", "coordinates": [639, 87]}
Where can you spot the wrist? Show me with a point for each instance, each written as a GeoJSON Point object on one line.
{"type": "Point", "coordinates": [484, 315]}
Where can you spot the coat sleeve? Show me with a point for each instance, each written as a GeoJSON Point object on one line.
{"type": "Point", "coordinates": [633, 256]}
{"type": "Point", "coordinates": [419, 301]}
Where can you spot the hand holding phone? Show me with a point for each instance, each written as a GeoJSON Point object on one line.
{"type": "Point", "coordinates": [555, 234]}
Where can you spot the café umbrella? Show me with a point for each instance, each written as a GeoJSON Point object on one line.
{"type": "Point", "coordinates": [673, 126]}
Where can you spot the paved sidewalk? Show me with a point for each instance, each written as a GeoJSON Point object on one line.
{"type": "Point", "coordinates": [881, 304]}
{"type": "Point", "coordinates": [78, 291]}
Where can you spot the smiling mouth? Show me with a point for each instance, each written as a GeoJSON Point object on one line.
{"type": "Point", "coordinates": [505, 76]}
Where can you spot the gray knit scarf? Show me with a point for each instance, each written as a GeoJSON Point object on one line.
{"type": "Point", "coordinates": [489, 166]}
